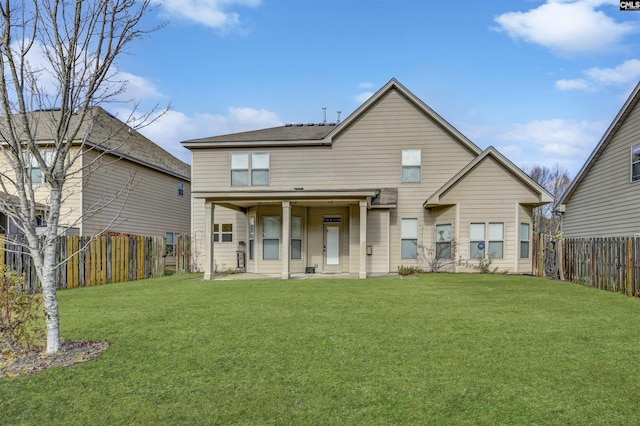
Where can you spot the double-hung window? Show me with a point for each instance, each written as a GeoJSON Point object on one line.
{"type": "Point", "coordinates": [172, 239]}
{"type": "Point", "coordinates": [635, 162]}
{"type": "Point", "coordinates": [252, 236]}
{"type": "Point", "coordinates": [409, 239]}
{"type": "Point", "coordinates": [296, 237]}
{"type": "Point", "coordinates": [477, 241]}
{"type": "Point", "coordinates": [443, 241]}
{"type": "Point", "coordinates": [493, 246]}
{"type": "Point", "coordinates": [271, 237]}
{"type": "Point", "coordinates": [411, 165]}
{"type": "Point", "coordinates": [37, 176]}
{"type": "Point", "coordinates": [524, 241]}
{"type": "Point", "coordinates": [250, 169]}
{"type": "Point", "coordinates": [181, 189]}
{"type": "Point", "coordinates": [496, 240]}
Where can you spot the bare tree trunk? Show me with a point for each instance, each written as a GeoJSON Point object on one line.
{"type": "Point", "coordinates": [78, 43]}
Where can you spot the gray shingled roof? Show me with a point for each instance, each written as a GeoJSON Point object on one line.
{"type": "Point", "coordinates": [289, 132]}
{"type": "Point", "coordinates": [107, 133]}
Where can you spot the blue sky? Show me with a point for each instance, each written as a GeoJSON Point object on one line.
{"type": "Point", "coordinates": [539, 80]}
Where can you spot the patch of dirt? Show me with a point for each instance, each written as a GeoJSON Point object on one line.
{"type": "Point", "coordinates": [72, 352]}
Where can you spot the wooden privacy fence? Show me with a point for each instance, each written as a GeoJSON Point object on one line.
{"type": "Point", "coordinates": [183, 254]}
{"type": "Point", "coordinates": [89, 261]}
{"type": "Point", "coordinates": [611, 264]}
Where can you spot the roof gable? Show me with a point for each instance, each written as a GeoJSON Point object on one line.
{"type": "Point", "coordinates": [625, 111]}
{"type": "Point", "coordinates": [543, 195]}
{"type": "Point", "coordinates": [324, 134]}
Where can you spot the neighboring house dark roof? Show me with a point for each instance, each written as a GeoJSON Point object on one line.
{"type": "Point", "coordinates": [14, 200]}
{"type": "Point", "coordinates": [608, 136]}
{"type": "Point", "coordinates": [104, 132]}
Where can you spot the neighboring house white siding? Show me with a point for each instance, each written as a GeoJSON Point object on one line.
{"type": "Point", "coordinates": [604, 201]}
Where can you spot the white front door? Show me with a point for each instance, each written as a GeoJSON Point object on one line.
{"type": "Point", "coordinates": [332, 246]}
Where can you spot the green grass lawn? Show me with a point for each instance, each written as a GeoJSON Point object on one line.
{"type": "Point", "coordinates": [438, 349]}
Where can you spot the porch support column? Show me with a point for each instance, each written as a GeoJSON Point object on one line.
{"type": "Point", "coordinates": [363, 239]}
{"type": "Point", "coordinates": [286, 240]}
{"type": "Point", "coordinates": [209, 261]}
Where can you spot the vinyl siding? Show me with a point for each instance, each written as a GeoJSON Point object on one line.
{"type": "Point", "coordinates": [479, 201]}
{"type": "Point", "coordinates": [71, 199]}
{"type": "Point", "coordinates": [606, 203]}
{"type": "Point", "coordinates": [366, 155]}
{"type": "Point", "coordinates": [152, 206]}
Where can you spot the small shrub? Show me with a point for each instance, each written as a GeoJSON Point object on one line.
{"type": "Point", "coordinates": [408, 270]}
{"type": "Point", "coordinates": [21, 313]}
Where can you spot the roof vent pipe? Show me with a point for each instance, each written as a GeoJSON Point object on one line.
{"type": "Point", "coordinates": [324, 115]}
{"type": "Point", "coordinates": [338, 122]}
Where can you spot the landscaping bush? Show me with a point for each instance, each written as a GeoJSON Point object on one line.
{"type": "Point", "coordinates": [21, 314]}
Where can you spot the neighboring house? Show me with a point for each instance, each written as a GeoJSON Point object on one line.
{"type": "Point", "coordinates": [604, 198]}
{"type": "Point", "coordinates": [122, 181]}
{"type": "Point", "coordinates": [361, 197]}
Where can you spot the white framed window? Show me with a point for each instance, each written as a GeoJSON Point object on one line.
{"type": "Point", "coordinates": [496, 240]}
{"type": "Point", "coordinates": [250, 169]}
{"type": "Point", "coordinates": [476, 240]}
{"type": "Point", "coordinates": [181, 189]}
{"type": "Point", "coordinates": [635, 162]}
{"type": "Point", "coordinates": [486, 240]}
{"type": "Point", "coordinates": [252, 236]}
{"type": "Point", "coordinates": [411, 165]}
{"type": "Point", "coordinates": [443, 241]}
{"type": "Point", "coordinates": [172, 239]}
{"type": "Point", "coordinates": [409, 239]}
{"type": "Point", "coordinates": [36, 172]}
{"type": "Point", "coordinates": [524, 240]}
{"type": "Point", "coordinates": [296, 238]}
{"type": "Point", "coordinates": [271, 237]}
{"type": "Point", "coordinates": [240, 169]}
{"type": "Point", "coordinates": [222, 232]}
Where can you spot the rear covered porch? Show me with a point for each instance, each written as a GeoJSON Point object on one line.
{"type": "Point", "coordinates": [297, 232]}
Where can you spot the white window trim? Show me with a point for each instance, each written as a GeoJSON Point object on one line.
{"type": "Point", "coordinates": [525, 240]}
{"type": "Point", "coordinates": [249, 170]}
{"type": "Point", "coordinates": [418, 166]}
{"type": "Point", "coordinates": [634, 148]}
{"type": "Point", "coordinates": [405, 237]}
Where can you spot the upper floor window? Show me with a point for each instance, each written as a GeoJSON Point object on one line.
{"type": "Point", "coordinates": [37, 176]}
{"type": "Point", "coordinates": [635, 162]}
{"type": "Point", "coordinates": [250, 169]}
{"type": "Point", "coordinates": [411, 169]}
{"type": "Point", "coordinates": [181, 188]}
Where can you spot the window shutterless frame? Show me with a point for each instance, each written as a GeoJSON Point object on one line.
{"type": "Point", "coordinates": [635, 163]}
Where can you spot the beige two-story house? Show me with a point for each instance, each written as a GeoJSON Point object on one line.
{"type": "Point", "coordinates": [121, 182]}
{"type": "Point", "coordinates": [364, 196]}
{"type": "Point", "coordinates": [604, 198]}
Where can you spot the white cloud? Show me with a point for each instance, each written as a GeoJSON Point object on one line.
{"type": "Point", "coordinates": [625, 74]}
{"type": "Point", "coordinates": [568, 142]}
{"type": "Point", "coordinates": [567, 27]}
{"type": "Point", "coordinates": [211, 13]}
{"type": "Point", "coordinates": [575, 84]}
{"type": "Point", "coordinates": [173, 127]}
{"type": "Point", "coordinates": [365, 85]}
{"type": "Point", "coordinates": [362, 97]}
